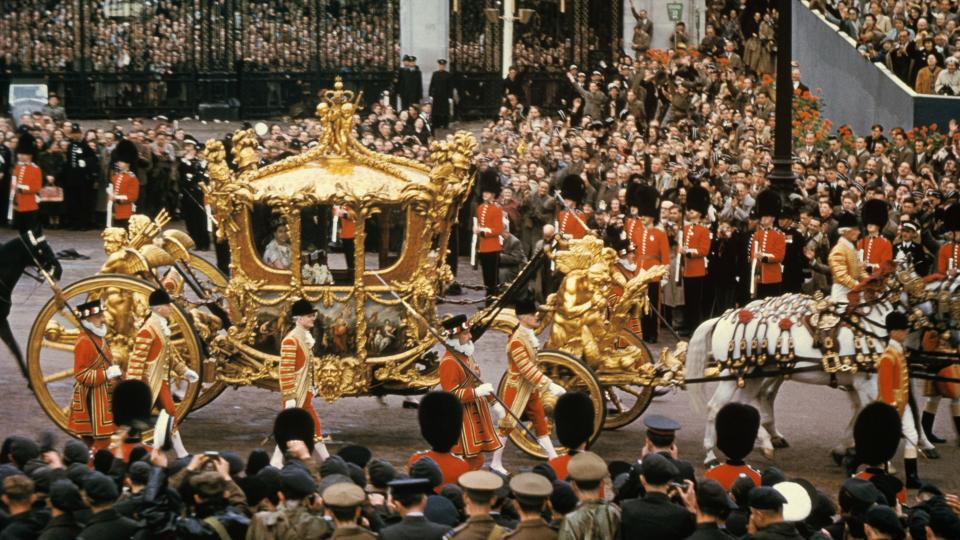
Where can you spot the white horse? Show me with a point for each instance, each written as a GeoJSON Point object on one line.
{"type": "Point", "coordinates": [782, 322]}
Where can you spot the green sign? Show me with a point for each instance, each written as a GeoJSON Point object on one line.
{"type": "Point", "coordinates": [675, 11]}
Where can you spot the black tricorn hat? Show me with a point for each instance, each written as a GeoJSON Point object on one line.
{"type": "Point", "coordinates": [26, 144]}
{"type": "Point", "coordinates": [441, 418]}
{"type": "Point", "coordinates": [951, 217]}
{"type": "Point", "coordinates": [698, 198]}
{"type": "Point", "coordinates": [876, 433]}
{"type": "Point", "coordinates": [573, 419]}
{"type": "Point", "coordinates": [302, 307]}
{"type": "Point", "coordinates": [737, 427]}
{"type": "Point", "coordinates": [616, 239]}
{"type": "Point", "coordinates": [875, 212]}
{"type": "Point", "coordinates": [896, 320]}
{"type": "Point", "coordinates": [847, 220]}
{"type": "Point", "coordinates": [159, 297]}
{"type": "Point", "coordinates": [524, 305]}
{"type": "Point", "coordinates": [293, 424]}
{"type": "Point", "coordinates": [126, 152]}
{"type": "Point", "coordinates": [769, 203]}
{"type": "Point", "coordinates": [454, 324]}
{"type": "Point", "coordinates": [131, 404]}
{"type": "Point", "coordinates": [490, 182]}
{"type": "Point", "coordinates": [572, 188]}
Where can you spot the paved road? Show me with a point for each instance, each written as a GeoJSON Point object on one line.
{"type": "Point", "coordinates": [811, 418]}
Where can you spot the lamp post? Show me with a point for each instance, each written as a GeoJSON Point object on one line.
{"type": "Point", "coordinates": [508, 17]}
{"type": "Point", "coordinates": [781, 177]}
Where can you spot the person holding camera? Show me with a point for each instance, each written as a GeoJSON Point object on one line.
{"type": "Point", "coordinates": [948, 81]}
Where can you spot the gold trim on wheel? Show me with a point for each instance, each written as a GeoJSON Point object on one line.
{"type": "Point", "coordinates": [626, 402]}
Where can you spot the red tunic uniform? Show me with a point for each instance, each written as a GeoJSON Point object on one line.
{"type": "Point", "coordinates": [25, 183]}
{"type": "Point", "coordinates": [948, 257]}
{"type": "Point", "coordinates": [877, 250]}
{"type": "Point", "coordinates": [651, 247]}
{"type": "Point", "coordinates": [525, 383]}
{"type": "Point", "coordinates": [630, 226]}
{"type": "Point", "coordinates": [450, 465]}
{"type": "Point", "coordinates": [697, 238]}
{"type": "Point", "coordinates": [728, 473]}
{"type": "Point", "coordinates": [559, 466]}
{"type": "Point", "coordinates": [152, 362]}
{"type": "Point", "coordinates": [90, 412]}
{"type": "Point", "coordinates": [348, 229]}
{"type": "Point", "coordinates": [773, 243]}
{"type": "Point", "coordinates": [893, 379]}
{"type": "Point", "coordinates": [126, 190]}
{"type": "Point", "coordinates": [572, 225]}
{"type": "Point", "coordinates": [296, 374]}
{"type": "Point", "coordinates": [478, 434]}
{"type": "Point", "coordinates": [489, 227]}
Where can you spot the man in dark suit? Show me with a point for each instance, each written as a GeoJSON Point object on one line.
{"type": "Point", "coordinates": [100, 492]}
{"type": "Point", "coordinates": [655, 516]}
{"type": "Point", "coordinates": [409, 495]}
{"type": "Point", "coordinates": [441, 92]}
{"type": "Point", "coordinates": [408, 83]}
{"type": "Point", "coordinates": [713, 506]}
{"type": "Point", "coordinates": [661, 439]}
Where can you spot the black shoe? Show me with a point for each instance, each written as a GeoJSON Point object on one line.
{"type": "Point", "coordinates": [956, 425]}
{"type": "Point", "coordinates": [926, 421]}
{"type": "Point", "coordinates": [410, 405]}
{"type": "Point", "coordinates": [453, 290]}
{"type": "Point", "coordinates": [910, 467]}
{"type": "Point", "coordinates": [930, 453]}
{"type": "Point", "coordinates": [650, 340]}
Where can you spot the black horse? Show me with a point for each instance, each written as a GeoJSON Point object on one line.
{"type": "Point", "coordinates": [16, 255]}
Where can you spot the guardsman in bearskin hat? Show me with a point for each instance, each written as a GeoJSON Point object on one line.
{"type": "Point", "coordinates": [845, 265]}
{"type": "Point", "coordinates": [527, 387]}
{"type": "Point", "coordinates": [573, 420]}
{"type": "Point", "coordinates": [948, 258]}
{"type": "Point", "coordinates": [768, 247]}
{"type": "Point", "coordinates": [296, 368]}
{"type": "Point", "coordinates": [477, 433]}
{"type": "Point", "coordinates": [94, 373]}
{"type": "Point", "coordinates": [737, 427]}
{"type": "Point", "coordinates": [633, 199]}
{"type": "Point", "coordinates": [25, 184]}
{"type": "Point", "coordinates": [893, 388]}
{"type": "Point", "coordinates": [124, 188]}
{"type": "Point", "coordinates": [571, 223]}
{"type": "Point", "coordinates": [934, 390]}
{"type": "Point", "coordinates": [293, 424]}
{"type": "Point", "coordinates": [488, 225]}
{"type": "Point", "coordinates": [152, 361]}
{"type": "Point", "coordinates": [694, 250]}
{"type": "Point", "coordinates": [192, 173]}
{"type": "Point", "coordinates": [441, 419]}
{"type": "Point", "coordinates": [875, 250]}
{"type": "Point", "coordinates": [650, 248]}
{"type": "Point", "coordinates": [131, 405]}
{"type": "Point", "coordinates": [876, 437]}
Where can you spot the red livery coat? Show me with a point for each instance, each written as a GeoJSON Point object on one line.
{"type": "Point", "coordinates": [90, 408]}
{"type": "Point", "coordinates": [525, 383]}
{"type": "Point", "coordinates": [478, 434]}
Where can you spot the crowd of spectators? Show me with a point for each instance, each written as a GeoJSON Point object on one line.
{"type": "Point", "coordinates": [917, 41]}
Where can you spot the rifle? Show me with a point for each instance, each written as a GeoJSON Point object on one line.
{"type": "Point", "coordinates": [473, 243]}
{"type": "Point", "coordinates": [753, 268]}
{"type": "Point", "coordinates": [678, 274]}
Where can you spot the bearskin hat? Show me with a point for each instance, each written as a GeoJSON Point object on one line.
{"type": "Point", "coordinates": [874, 212]}
{"type": "Point", "coordinates": [847, 220]}
{"type": "Point", "coordinates": [572, 188]}
{"type": "Point", "coordinates": [951, 217]}
{"type": "Point", "coordinates": [126, 152]}
{"type": "Point", "coordinates": [644, 198]}
{"type": "Point", "coordinates": [490, 182]}
{"type": "Point", "coordinates": [769, 203]}
{"type": "Point", "coordinates": [293, 424]}
{"type": "Point", "coordinates": [698, 198]}
{"type": "Point", "coordinates": [26, 144]}
{"type": "Point", "coordinates": [876, 433]}
{"type": "Point", "coordinates": [132, 403]}
{"type": "Point", "coordinates": [737, 427]}
{"type": "Point", "coordinates": [573, 419]}
{"type": "Point", "coordinates": [441, 419]}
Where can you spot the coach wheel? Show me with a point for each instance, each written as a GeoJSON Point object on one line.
{"type": "Point", "coordinates": [626, 402]}
{"type": "Point", "coordinates": [55, 331]}
{"type": "Point", "coordinates": [574, 376]}
{"type": "Point", "coordinates": [212, 280]}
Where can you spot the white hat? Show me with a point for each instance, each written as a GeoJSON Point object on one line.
{"type": "Point", "coordinates": [798, 504]}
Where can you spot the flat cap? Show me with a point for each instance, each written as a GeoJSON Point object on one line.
{"type": "Point", "coordinates": [410, 486]}
{"type": "Point", "coordinates": [65, 496]}
{"type": "Point", "coordinates": [208, 484]}
{"type": "Point", "coordinates": [480, 481]}
{"type": "Point", "coordinates": [531, 486]}
{"type": "Point", "coordinates": [657, 424]}
{"type": "Point", "coordinates": [657, 469]}
{"type": "Point", "coordinates": [381, 473]}
{"type": "Point", "coordinates": [297, 482]}
{"type": "Point", "coordinates": [857, 494]}
{"type": "Point", "coordinates": [885, 520]}
{"type": "Point", "coordinates": [587, 467]}
{"type": "Point", "coordinates": [713, 500]}
{"type": "Point", "coordinates": [766, 498]}
{"type": "Point", "coordinates": [139, 473]}
{"type": "Point", "coordinates": [100, 488]}
{"type": "Point", "coordinates": [427, 469]}
{"type": "Point", "coordinates": [344, 495]}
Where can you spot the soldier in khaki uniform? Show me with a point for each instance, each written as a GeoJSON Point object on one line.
{"type": "Point", "coordinates": [480, 492]}
{"type": "Point", "coordinates": [531, 491]}
{"type": "Point", "coordinates": [845, 265]}
{"type": "Point", "coordinates": [594, 517]}
{"type": "Point", "coordinates": [343, 502]}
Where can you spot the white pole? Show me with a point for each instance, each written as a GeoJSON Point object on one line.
{"type": "Point", "coordinates": [508, 17]}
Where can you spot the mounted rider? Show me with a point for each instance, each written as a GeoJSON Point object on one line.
{"type": "Point", "coordinates": [845, 266]}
